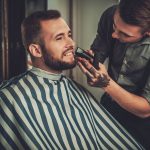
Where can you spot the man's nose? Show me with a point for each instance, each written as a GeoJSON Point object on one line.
{"type": "Point", "coordinates": [70, 41]}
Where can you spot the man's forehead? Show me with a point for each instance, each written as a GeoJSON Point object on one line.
{"type": "Point", "coordinates": [53, 22]}
{"type": "Point", "coordinates": [124, 27]}
{"type": "Point", "coordinates": [55, 25]}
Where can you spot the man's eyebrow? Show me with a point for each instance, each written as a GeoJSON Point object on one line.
{"type": "Point", "coordinates": [61, 34]}
{"type": "Point", "coordinates": [122, 32]}
{"type": "Point", "coordinates": [126, 34]}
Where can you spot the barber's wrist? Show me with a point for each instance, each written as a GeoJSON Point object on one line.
{"type": "Point", "coordinates": [106, 88]}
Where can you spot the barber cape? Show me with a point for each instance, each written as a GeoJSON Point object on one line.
{"type": "Point", "coordinates": [47, 111]}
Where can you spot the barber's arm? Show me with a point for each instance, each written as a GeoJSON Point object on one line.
{"type": "Point", "coordinates": [103, 42]}
{"type": "Point", "coordinates": [135, 104]}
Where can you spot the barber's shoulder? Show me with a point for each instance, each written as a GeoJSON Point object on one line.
{"type": "Point", "coordinates": [106, 19]}
{"type": "Point", "coordinates": [110, 10]}
{"type": "Point", "coordinates": [144, 42]}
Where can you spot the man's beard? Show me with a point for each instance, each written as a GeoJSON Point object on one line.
{"type": "Point", "coordinates": [56, 64]}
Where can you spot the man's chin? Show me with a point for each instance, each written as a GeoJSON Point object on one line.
{"type": "Point", "coordinates": [65, 66]}
{"type": "Point", "coordinates": [70, 66]}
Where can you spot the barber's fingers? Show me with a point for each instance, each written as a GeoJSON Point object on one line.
{"type": "Point", "coordinates": [88, 67]}
{"type": "Point", "coordinates": [85, 71]}
{"type": "Point", "coordinates": [94, 77]}
{"type": "Point", "coordinates": [101, 81]}
{"type": "Point", "coordinates": [93, 71]}
{"type": "Point", "coordinates": [90, 52]}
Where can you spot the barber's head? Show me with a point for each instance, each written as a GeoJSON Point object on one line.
{"type": "Point", "coordinates": [132, 20]}
{"type": "Point", "coordinates": [47, 38]}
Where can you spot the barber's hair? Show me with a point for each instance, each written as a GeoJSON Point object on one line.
{"type": "Point", "coordinates": [136, 12]}
{"type": "Point", "coordinates": [31, 27]}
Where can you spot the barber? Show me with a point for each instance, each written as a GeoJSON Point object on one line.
{"type": "Point", "coordinates": [123, 36]}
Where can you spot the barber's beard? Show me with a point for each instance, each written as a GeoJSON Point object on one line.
{"type": "Point", "coordinates": [57, 64]}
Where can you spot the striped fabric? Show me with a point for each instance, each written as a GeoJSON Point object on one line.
{"type": "Point", "coordinates": [47, 111]}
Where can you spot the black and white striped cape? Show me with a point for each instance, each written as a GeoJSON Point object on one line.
{"type": "Point", "coordinates": [47, 111]}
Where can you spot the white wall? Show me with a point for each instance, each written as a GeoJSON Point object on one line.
{"type": "Point", "coordinates": [86, 17]}
{"type": "Point", "coordinates": [62, 6]}
{"type": "Point", "coordinates": [86, 14]}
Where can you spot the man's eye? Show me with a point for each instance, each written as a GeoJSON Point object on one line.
{"type": "Point", "coordinates": [59, 38]}
{"type": "Point", "coordinates": [125, 35]}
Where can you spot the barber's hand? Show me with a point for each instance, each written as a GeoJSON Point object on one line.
{"type": "Point", "coordinates": [95, 78]}
{"type": "Point", "coordinates": [91, 53]}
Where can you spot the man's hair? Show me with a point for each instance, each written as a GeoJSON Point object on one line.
{"type": "Point", "coordinates": [136, 12]}
{"type": "Point", "coordinates": [31, 27]}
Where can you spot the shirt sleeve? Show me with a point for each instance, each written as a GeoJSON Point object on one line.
{"type": "Point", "coordinates": [103, 41]}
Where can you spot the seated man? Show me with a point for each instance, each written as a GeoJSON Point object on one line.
{"type": "Point", "coordinates": [43, 109]}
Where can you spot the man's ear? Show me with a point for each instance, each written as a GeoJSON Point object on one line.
{"type": "Point", "coordinates": [35, 50]}
{"type": "Point", "coordinates": [148, 33]}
